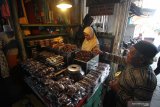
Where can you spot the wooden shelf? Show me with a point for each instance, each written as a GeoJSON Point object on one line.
{"type": "Point", "coordinates": [45, 36]}
{"type": "Point", "coordinates": [48, 25]}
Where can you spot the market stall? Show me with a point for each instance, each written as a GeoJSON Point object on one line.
{"type": "Point", "coordinates": [60, 79]}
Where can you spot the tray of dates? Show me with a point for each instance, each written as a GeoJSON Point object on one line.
{"type": "Point", "coordinates": [68, 52]}
{"type": "Point", "coordinates": [87, 60]}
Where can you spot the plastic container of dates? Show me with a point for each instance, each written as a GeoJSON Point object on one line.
{"type": "Point", "coordinates": [68, 52]}
{"type": "Point", "coordinates": [87, 60]}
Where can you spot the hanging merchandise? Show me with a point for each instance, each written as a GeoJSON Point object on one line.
{"type": "Point", "coordinates": [20, 8]}
{"type": "Point", "coordinates": [5, 9]}
{"type": "Point", "coordinates": [29, 7]}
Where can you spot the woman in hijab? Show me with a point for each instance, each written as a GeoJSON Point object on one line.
{"type": "Point", "coordinates": [90, 42]}
{"type": "Point", "coordinates": [79, 37]}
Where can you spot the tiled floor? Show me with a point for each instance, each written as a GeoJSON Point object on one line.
{"type": "Point", "coordinates": [156, 95]}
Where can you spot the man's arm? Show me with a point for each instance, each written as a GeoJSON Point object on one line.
{"type": "Point", "coordinates": [115, 58]}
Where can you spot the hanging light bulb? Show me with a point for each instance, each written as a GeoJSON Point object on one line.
{"type": "Point", "coordinates": [64, 4]}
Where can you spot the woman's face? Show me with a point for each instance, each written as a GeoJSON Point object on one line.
{"type": "Point", "coordinates": [87, 36]}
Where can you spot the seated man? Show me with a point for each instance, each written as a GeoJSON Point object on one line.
{"type": "Point", "coordinates": [138, 81]}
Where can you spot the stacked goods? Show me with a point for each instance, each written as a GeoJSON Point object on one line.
{"type": "Point", "coordinates": [65, 86]}
{"type": "Point", "coordinates": [58, 39]}
{"type": "Point", "coordinates": [87, 60]}
{"type": "Point", "coordinates": [90, 81]}
{"type": "Point", "coordinates": [68, 52]}
{"type": "Point", "coordinates": [37, 69]}
{"type": "Point", "coordinates": [57, 46]}
{"type": "Point", "coordinates": [62, 92]}
{"type": "Point", "coordinates": [94, 77]}
{"type": "Point", "coordinates": [51, 59]}
{"type": "Point", "coordinates": [41, 43]}
{"type": "Point", "coordinates": [64, 48]}
{"type": "Point", "coordinates": [45, 54]}
{"type": "Point", "coordinates": [68, 48]}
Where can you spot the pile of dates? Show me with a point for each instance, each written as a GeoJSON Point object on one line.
{"type": "Point", "coordinates": [84, 55]}
{"type": "Point", "coordinates": [68, 48]}
{"type": "Point", "coordinates": [68, 93]}
{"type": "Point", "coordinates": [57, 46]}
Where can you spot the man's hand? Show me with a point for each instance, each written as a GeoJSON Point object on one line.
{"type": "Point", "coordinates": [114, 85]}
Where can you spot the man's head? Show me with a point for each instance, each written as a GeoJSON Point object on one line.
{"type": "Point", "coordinates": [142, 53]}
{"type": "Point", "coordinates": [87, 21]}
{"type": "Point", "coordinates": [88, 33]}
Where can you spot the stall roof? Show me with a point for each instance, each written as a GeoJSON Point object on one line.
{"type": "Point", "coordinates": [135, 10]}
{"type": "Point", "coordinates": [138, 11]}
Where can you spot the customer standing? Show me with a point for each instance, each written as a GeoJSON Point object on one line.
{"type": "Point", "coordinates": [4, 70]}
{"type": "Point", "coordinates": [11, 47]}
{"type": "Point", "coordinates": [138, 81]}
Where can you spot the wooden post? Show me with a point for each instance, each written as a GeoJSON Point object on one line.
{"type": "Point", "coordinates": [17, 28]}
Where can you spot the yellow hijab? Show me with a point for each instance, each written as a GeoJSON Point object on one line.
{"type": "Point", "coordinates": [88, 45]}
